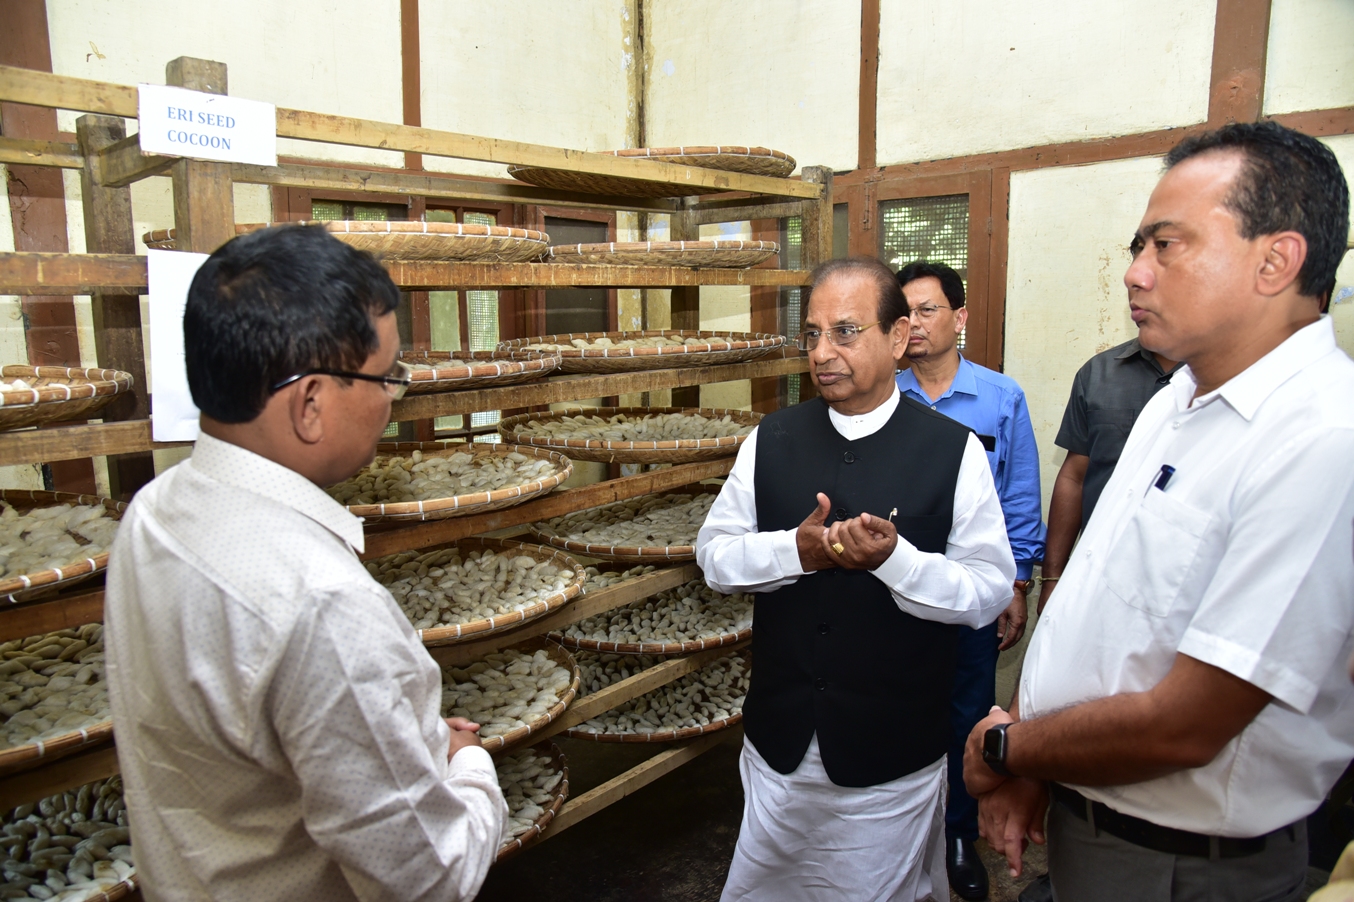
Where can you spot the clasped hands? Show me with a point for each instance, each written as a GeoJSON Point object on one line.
{"type": "Point", "coordinates": [865, 542]}
{"type": "Point", "coordinates": [1010, 809]}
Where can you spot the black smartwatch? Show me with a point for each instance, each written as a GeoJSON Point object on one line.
{"type": "Point", "coordinates": [994, 749]}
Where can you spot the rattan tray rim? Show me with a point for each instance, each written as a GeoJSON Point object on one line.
{"type": "Point", "coordinates": [625, 553]}
{"type": "Point", "coordinates": [735, 341]}
{"type": "Point", "coordinates": [451, 633]}
{"type": "Point", "coordinates": [84, 391]}
{"type": "Point", "coordinates": [533, 833]}
{"type": "Point", "coordinates": [474, 503]}
{"type": "Point", "coordinates": [19, 758]}
{"type": "Point", "coordinates": [16, 589]}
{"type": "Point", "coordinates": [505, 428]}
{"type": "Point", "coordinates": [665, 649]}
{"type": "Point", "coordinates": [480, 367]}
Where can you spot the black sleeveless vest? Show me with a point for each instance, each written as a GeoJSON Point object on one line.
{"type": "Point", "coordinates": [833, 653]}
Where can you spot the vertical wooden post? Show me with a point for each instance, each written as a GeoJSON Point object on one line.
{"type": "Point", "coordinates": [817, 218]}
{"type": "Point", "coordinates": [686, 302]}
{"type": "Point", "coordinates": [117, 317]}
{"type": "Point", "coordinates": [204, 199]}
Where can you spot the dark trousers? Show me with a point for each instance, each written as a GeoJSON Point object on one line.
{"type": "Point", "coordinates": [975, 692]}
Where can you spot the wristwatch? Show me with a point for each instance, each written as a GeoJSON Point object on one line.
{"type": "Point", "coordinates": [994, 749]}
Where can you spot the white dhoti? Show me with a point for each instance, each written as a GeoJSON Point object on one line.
{"type": "Point", "coordinates": [805, 838]}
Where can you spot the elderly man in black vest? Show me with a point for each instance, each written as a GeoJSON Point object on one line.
{"type": "Point", "coordinates": [871, 528]}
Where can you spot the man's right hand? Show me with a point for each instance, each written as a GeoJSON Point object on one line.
{"type": "Point", "coordinates": [464, 733]}
{"type": "Point", "coordinates": [809, 539]}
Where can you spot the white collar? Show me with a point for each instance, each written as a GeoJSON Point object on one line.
{"type": "Point", "coordinates": [242, 469]}
{"type": "Point", "coordinates": [1248, 389]}
{"type": "Point", "coordinates": [857, 427]}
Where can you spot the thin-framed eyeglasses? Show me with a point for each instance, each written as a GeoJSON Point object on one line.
{"type": "Point", "coordinates": [837, 335]}
{"type": "Point", "coordinates": [395, 383]}
{"type": "Point", "coordinates": [926, 312]}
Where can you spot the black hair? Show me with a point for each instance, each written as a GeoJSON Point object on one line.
{"type": "Point", "coordinates": [277, 302]}
{"type": "Point", "coordinates": [892, 304]}
{"type": "Point", "coordinates": [950, 282]}
{"type": "Point", "coordinates": [1288, 182]}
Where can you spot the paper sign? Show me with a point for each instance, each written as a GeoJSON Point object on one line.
{"type": "Point", "coordinates": [184, 123]}
{"type": "Point", "coordinates": [173, 413]}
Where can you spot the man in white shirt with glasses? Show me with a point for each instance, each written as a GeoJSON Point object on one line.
{"type": "Point", "coordinates": [279, 727]}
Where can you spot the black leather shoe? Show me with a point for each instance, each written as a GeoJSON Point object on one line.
{"type": "Point", "coordinates": [968, 874]}
{"type": "Point", "coordinates": [1041, 890]}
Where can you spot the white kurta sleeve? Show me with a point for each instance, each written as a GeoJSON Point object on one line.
{"type": "Point", "coordinates": [971, 583]}
{"type": "Point", "coordinates": [357, 713]}
{"type": "Point", "coordinates": [732, 554]}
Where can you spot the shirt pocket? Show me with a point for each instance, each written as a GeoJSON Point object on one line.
{"type": "Point", "coordinates": [1152, 557]}
{"type": "Point", "coordinates": [1107, 432]}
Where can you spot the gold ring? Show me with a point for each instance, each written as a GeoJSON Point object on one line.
{"type": "Point", "coordinates": [838, 547]}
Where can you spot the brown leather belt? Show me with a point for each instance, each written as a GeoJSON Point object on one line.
{"type": "Point", "coordinates": [1156, 837]}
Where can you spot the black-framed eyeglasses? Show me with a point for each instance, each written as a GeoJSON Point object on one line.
{"type": "Point", "coordinates": [396, 382]}
{"type": "Point", "coordinates": [927, 311]}
{"type": "Point", "coordinates": [837, 335]}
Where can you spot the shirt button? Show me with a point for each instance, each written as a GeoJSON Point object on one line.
{"type": "Point", "coordinates": [933, 407]}
{"type": "Point", "coordinates": [841, 513]}
{"type": "Point", "coordinates": [848, 457]}
{"type": "Point", "coordinates": [820, 684]}
{"type": "Point", "coordinates": [823, 629]}
{"type": "Point", "coordinates": [1175, 425]}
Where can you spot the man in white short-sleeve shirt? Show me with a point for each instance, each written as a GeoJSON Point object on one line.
{"type": "Point", "coordinates": [1184, 698]}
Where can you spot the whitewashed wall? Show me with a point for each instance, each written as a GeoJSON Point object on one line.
{"type": "Point", "coordinates": [784, 75]}
{"type": "Point", "coordinates": [533, 70]}
{"type": "Point", "coordinates": [329, 56]}
{"type": "Point", "coordinates": [1310, 60]}
{"type": "Point", "coordinates": [976, 76]}
{"type": "Point", "coordinates": [1065, 296]}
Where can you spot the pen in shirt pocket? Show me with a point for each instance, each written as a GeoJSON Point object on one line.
{"type": "Point", "coordinates": [1163, 478]}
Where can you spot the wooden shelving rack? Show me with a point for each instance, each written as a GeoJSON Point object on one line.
{"type": "Point", "coordinates": [114, 276]}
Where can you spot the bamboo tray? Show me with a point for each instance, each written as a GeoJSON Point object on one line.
{"type": "Point", "coordinates": [631, 554]}
{"type": "Point", "coordinates": [109, 889]}
{"type": "Point", "coordinates": [471, 503]}
{"type": "Point", "coordinates": [410, 240]}
{"type": "Point", "coordinates": [19, 758]}
{"type": "Point", "coordinates": [39, 583]}
{"type": "Point", "coordinates": [656, 647]}
{"type": "Point", "coordinates": [519, 735]}
{"type": "Point", "coordinates": [58, 393]}
{"type": "Point", "coordinates": [452, 370]}
{"type": "Point", "coordinates": [666, 735]}
{"type": "Point", "coordinates": [664, 452]}
{"type": "Point", "coordinates": [715, 253]}
{"type": "Point", "coordinates": [729, 158]}
{"type": "Point", "coordinates": [561, 792]}
{"type": "Point", "coordinates": [722, 348]}
{"type": "Point", "coordinates": [451, 633]}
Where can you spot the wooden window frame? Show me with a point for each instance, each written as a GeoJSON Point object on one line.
{"type": "Point", "coordinates": [988, 191]}
{"type": "Point", "coordinates": [530, 316]}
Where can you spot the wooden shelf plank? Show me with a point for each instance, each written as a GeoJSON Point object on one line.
{"type": "Point", "coordinates": [588, 604]}
{"type": "Point", "coordinates": [40, 153]}
{"type": "Point", "coordinates": [556, 504]}
{"type": "Point", "coordinates": [68, 93]}
{"type": "Point", "coordinates": [63, 612]}
{"type": "Point", "coordinates": [128, 436]}
{"type": "Point", "coordinates": [577, 388]}
{"type": "Point", "coordinates": [30, 274]}
{"type": "Point", "coordinates": [636, 778]}
{"type": "Point", "coordinates": [98, 763]}
{"type": "Point", "coordinates": [440, 276]}
{"type": "Point", "coordinates": [85, 440]}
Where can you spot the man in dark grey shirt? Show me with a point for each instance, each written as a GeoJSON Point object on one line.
{"type": "Point", "coordinates": [1108, 393]}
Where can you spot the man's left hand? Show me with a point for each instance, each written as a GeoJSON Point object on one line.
{"type": "Point", "coordinates": [1012, 813]}
{"type": "Point", "coordinates": [979, 779]}
{"type": "Point", "coordinates": [867, 541]}
{"type": "Point", "coordinates": [1011, 622]}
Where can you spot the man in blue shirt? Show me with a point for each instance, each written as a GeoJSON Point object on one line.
{"type": "Point", "coordinates": [993, 406]}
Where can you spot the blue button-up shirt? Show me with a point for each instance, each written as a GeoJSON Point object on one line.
{"type": "Point", "coordinates": [993, 406]}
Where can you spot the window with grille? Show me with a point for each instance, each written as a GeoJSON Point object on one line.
{"type": "Point", "coordinates": [934, 229]}
{"type": "Point", "coordinates": [480, 326]}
